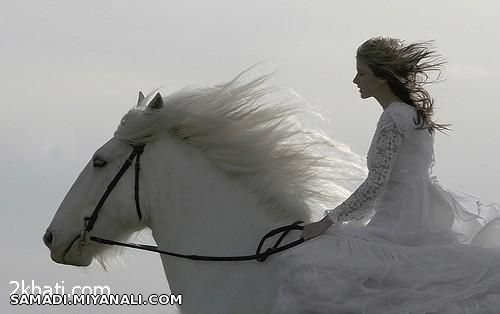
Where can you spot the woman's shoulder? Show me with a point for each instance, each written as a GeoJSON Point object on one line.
{"type": "Point", "coordinates": [400, 114]}
{"type": "Point", "coordinates": [400, 107]}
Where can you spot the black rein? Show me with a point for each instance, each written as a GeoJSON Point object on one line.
{"type": "Point", "coordinates": [136, 154]}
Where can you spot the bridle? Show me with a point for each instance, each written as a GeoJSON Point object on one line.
{"type": "Point", "coordinates": [136, 154]}
{"type": "Point", "coordinates": [137, 151]}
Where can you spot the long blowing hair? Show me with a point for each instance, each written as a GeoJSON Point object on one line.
{"type": "Point", "coordinates": [407, 68]}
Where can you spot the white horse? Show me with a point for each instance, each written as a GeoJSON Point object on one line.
{"type": "Point", "coordinates": [222, 166]}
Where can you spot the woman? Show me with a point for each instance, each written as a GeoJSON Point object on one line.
{"type": "Point", "coordinates": [422, 250]}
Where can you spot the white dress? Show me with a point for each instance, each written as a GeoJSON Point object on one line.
{"type": "Point", "coordinates": [402, 243]}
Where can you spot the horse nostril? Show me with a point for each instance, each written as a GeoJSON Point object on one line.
{"type": "Point", "coordinates": [47, 238]}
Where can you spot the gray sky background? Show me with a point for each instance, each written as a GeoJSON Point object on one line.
{"type": "Point", "coordinates": [71, 69]}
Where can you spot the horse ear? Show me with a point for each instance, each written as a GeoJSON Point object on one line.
{"type": "Point", "coordinates": [157, 102]}
{"type": "Point", "coordinates": [141, 98]}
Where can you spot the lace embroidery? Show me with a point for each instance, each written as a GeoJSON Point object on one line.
{"type": "Point", "coordinates": [388, 140]}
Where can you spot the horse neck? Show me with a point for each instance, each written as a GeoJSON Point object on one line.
{"type": "Point", "coordinates": [198, 210]}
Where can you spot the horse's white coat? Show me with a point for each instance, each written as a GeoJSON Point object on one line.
{"type": "Point", "coordinates": [205, 213]}
{"type": "Point", "coordinates": [222, 166]}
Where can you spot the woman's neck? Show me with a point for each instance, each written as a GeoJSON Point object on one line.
{"type": "Point", "coordinates": [386, 101]}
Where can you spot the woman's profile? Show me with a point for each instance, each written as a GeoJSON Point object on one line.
{"type": "Point", "coordinates": [422, 250]}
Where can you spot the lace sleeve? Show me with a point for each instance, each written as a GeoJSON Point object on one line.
{"type": "Point", "coordinates": [381, 159]}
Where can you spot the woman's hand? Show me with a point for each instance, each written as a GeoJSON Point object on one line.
{"type": "Point", "coordinates": [315, 229]}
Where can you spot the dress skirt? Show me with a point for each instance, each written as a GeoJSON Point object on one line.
{"type": "Point", "coordinates": [451, 265]}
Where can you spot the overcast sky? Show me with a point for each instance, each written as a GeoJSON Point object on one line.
{"type": "Point", "coordinates": [71, 69]}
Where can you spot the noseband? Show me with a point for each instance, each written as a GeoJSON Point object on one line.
{"type": "Point", "coordinates": [137, 151]}
{"type": "Point", "coordinates": [136, 154]}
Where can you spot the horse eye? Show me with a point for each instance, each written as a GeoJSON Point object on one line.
{"type": "Point", "coordinates": [98, 163]}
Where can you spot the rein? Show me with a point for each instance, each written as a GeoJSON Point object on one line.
{"type": "Point", "coordinates": [85, 237]}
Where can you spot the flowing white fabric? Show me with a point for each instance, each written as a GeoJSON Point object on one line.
{"type": "Point", "coordinates": [402, 242]}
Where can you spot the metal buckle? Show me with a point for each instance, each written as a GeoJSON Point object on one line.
{"type": "Point", "coordinates": [84, 238]}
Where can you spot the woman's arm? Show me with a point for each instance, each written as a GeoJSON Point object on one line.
{"type": "Point", "coordinates": [382, 158]}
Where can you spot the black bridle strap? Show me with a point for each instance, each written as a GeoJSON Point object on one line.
{"type": "Point", "coordinates": [138, 149]}
{"type": "Point", "coordinates": [136, 154]}
{"type": "Point", "coordinates": [259, 256]}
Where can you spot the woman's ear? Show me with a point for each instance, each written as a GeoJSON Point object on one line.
{"type": "Point", "coordinates": [381, 80]}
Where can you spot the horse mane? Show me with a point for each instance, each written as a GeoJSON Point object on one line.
{"type": "Point", "coordinates": [247, 130]}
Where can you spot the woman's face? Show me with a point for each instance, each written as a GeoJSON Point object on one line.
{"type": "Point", "coordinates": [369, 85]}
